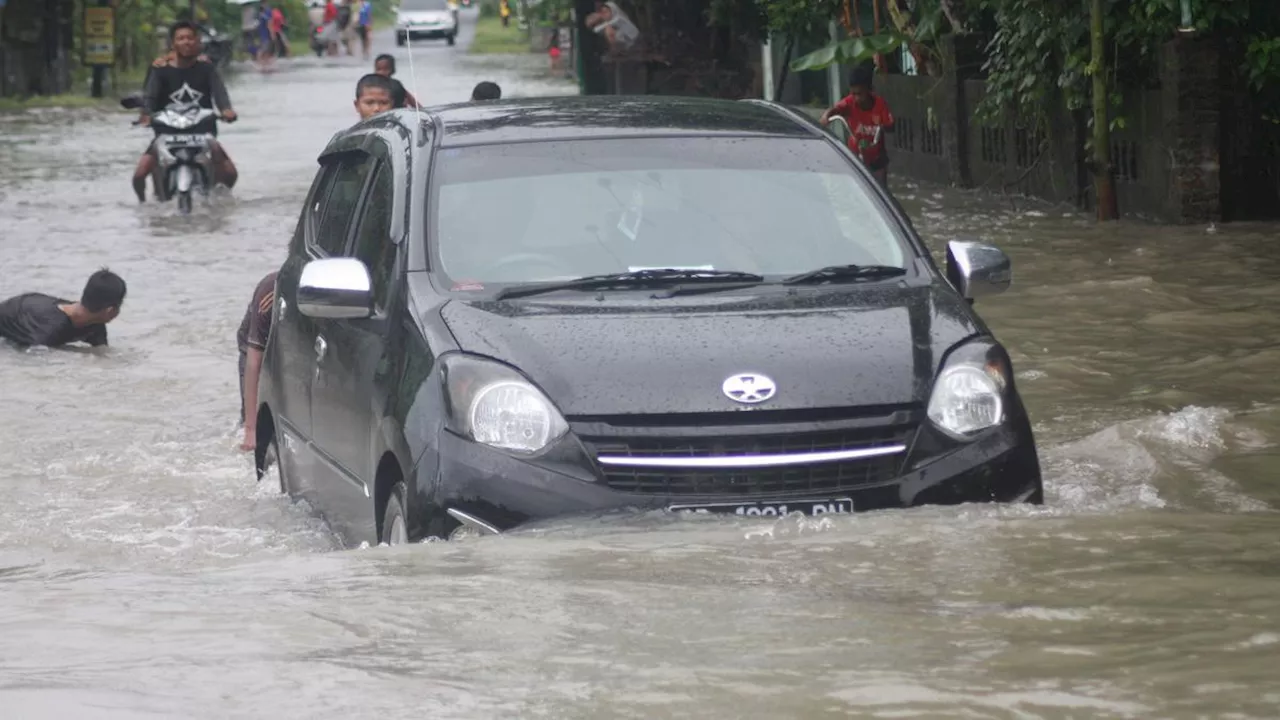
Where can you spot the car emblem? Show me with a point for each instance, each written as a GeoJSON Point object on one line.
{"type": "Point", "coordinates": [749, 388]}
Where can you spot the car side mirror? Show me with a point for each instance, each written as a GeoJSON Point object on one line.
{"type": "Point", "coordinates": [975, 269]}
{"type": "Point", "coordinates": [335, 289]}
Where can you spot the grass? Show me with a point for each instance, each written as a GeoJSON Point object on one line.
{"type": "Point", "coordinates": [493, 39]}
{"type": "Point", "coordinates": [56, 101]}
{"type": "Point", "coordinates": [118, 84]}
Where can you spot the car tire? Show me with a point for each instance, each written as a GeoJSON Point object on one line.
{"type": "Point", "coordinates": [1037, 495]}
{"type": "Point", "coordinates": [271, 466]}
{"type": "Point", "coordinates": [395, 526]}
{"type": "Point", "coordinates": [450, 39]}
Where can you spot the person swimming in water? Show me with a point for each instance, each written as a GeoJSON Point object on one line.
{"type": "Point", "coordinates": [37, 319]}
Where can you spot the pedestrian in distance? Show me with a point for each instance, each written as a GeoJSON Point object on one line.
{"type": "Point", "coordinates": [279, 38]}
{"type": "Point", "coordinates": [346, 29]}
{"type": "Point", "coordinates": [251, 340]}
{"type": "Point", "coordinates": [553, 50]}
{"type": "Point", "coordinates": [266, 40]}
{"type": "Point", "coordinates": [486, 91]}
{"type": "Point", "coordinates": [364, 26]}
{"type": "Point", "coordinates": [869, 118]}
{"type": "Point", "coordinates": [37, 319]}
{"type": "Point", "coordinates": [385, 65]}
{"type": "Point", "coordinates": [374, 94]}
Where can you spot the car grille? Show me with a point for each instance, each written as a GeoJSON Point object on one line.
{"type": "Point", "coordinates": [790, 480]}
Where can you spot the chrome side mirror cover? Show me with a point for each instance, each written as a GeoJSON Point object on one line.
{"type": "Point", "coordinates": [335, 289]}
{"type": "Point", "coordinates": [975, 269]}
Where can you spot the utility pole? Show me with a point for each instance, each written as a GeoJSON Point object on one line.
{"type": "Point", "coordinates": [1104, 185]}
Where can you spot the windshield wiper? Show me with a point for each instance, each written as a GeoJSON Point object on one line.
{"type": "Point", "coordinates": [837, 273]}
{"type": "Point", "coordinates": [675, 290]}
{"type": "Point", "coordinates": [639, 278]}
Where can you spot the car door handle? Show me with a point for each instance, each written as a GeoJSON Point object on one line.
{"type": "Point", "coordinates": [321, 348]}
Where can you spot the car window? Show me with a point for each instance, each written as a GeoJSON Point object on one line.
{"type": "Point", "coordinates": [553, 210]}
{"type": "Point", "coordinates": [323, 184]}
{"type": "Point", "coordinates": [334, 219]}
{"type": "Point", "coordinates": [421, 5]}
{"type": "Point", "coordinates": [373, 243]}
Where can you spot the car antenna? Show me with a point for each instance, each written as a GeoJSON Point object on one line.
{"type": "Point", "coordinates": [417, 93]}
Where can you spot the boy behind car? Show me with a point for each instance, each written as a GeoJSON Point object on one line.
{"type": "Point", "coordinates": [374, 94]}
{"type": "Point", "coordinates": [251, 340]}
{"type": "Point", "coordinates": [869, 119]}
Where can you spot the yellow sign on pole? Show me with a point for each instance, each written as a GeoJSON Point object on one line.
{"type": "Point", "coordinates": [99, 36]}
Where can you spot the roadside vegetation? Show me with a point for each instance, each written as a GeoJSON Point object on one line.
{"type": "Point", "coordinates": [493, 39]}
{"type": "Point", "coordinates": [1087, 54]}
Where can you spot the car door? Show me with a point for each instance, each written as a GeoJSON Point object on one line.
{"type": "Point", "coordinates": [352, 377]}
{"type": "Point", "coordinates": [329, 236]}
{"type": "Point", "coordinates": [290, 361]}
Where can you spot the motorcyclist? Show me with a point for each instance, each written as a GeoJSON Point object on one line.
{"type": "Point", "coordinates": [184, 81]}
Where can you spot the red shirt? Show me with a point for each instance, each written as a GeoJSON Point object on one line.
{"type": "Point", "coordinates": [277, 20]}
{"type": "Point", "coordinates": [330, 13]}
{"type": "Point", "coordinates": [864, 123]}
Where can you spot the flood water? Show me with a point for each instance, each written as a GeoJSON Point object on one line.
{"type": "Point", "coordinates": [143, 574]}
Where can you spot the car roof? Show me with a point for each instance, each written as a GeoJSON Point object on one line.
{"type": "Point", "coordinates": [579, 117]}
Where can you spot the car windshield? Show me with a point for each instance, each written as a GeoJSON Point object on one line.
{"type": "Point", "coordinates": [420, 5]}
{"type": "Point", "coordinates": [547, 211]}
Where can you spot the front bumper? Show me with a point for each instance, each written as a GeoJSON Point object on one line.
{"type": "Point", "coordinates": [506, 491]}
{"type": "Point", "coordinates": [427, 31]}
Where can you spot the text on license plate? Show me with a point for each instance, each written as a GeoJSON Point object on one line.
{"type": "Point", "coordinates": [182, 139]}
{"type": "Point", "coordinates": [771, 509]}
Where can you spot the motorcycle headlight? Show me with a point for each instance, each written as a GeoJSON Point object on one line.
{"type": "Point", "coordinates": [969, 394]}
{"type": "Point", "coordinates": [495, 405]}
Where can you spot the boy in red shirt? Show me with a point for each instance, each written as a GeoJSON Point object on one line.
{"type": "Point", "coordinates": [869, 119]}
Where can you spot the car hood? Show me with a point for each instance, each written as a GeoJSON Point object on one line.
{"type": "Point", "coordinates": [425, 16]}
{"type": "Point", "coordinates": [876, 346]}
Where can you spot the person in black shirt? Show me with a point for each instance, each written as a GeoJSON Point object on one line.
{"type": "Point", "coordinates": [181, 83]}
{"type": "Point", "coordinates": [45, 320]}
{"type": "Point", "coordinates": [385, 65]}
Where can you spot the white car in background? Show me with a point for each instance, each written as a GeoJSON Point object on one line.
{"type": "Point", "coordinates": [427, 19]}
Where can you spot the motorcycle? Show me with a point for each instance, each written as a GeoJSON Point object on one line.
{"type": "Point", "coordinates": [217, 47]}
{"type": "Point", "coordinates": [184, 152]}
{"type": "Point", "coordinates": [322, 37]}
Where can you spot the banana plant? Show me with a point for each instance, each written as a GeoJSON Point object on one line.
{"type": "Point", "coordinates": [912, 29]}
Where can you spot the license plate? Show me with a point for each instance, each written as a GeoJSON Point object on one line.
{"type": "Point", "coordinates": [182, 139]}
{"type": "Point", "coordinates": [838, 506]}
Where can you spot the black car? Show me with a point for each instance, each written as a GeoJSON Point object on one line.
{"type": "Point", "coordinates": [496, 313]}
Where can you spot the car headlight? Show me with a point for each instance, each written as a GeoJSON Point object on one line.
{"type": "Point", "coordinates": [969, 394]}
{"type": "Point", "coordinates": [493, 404]}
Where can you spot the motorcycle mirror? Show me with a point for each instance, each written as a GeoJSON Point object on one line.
{"type": "Point", "coordinates": [131, 102]}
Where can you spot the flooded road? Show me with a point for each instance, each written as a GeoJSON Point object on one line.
{"type": "Point", "coordinates": [143, 574]}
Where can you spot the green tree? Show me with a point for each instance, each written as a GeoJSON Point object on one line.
{"type": "Point", "coordinates": [1084, 53]}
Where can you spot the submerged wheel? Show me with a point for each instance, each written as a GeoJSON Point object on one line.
{"type": "Point", "coordinates": [395, 529]}
{"type": "Point", "coordinates": [400, 40]}
{"type": "Point", "coordinates": [273, 466]}
{"type": "Point", "coordinates": [184, 203]}
{"type": "Point", "coordinates": [451, 39]}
